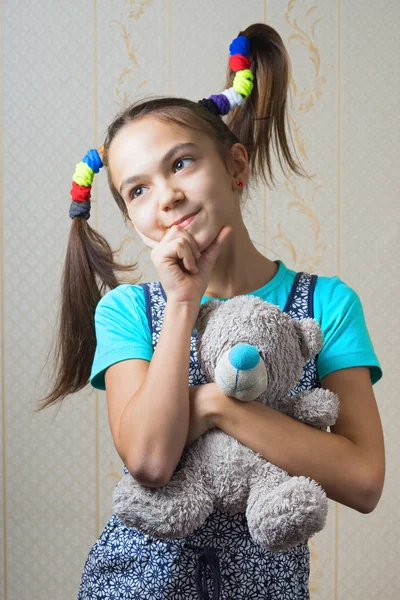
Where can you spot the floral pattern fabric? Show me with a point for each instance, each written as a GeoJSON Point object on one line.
{"type": "Point", "coordinates": [126, 564]}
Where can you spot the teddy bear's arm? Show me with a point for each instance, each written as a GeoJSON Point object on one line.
{"type": "Point", "coordinates": [317, 407]}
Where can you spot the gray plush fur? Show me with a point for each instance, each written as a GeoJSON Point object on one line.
{"type": "Point", "coordinates": [217, 471]}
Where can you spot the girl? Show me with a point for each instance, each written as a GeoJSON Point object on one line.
{"type": "Point", "coordinates": [177, 172]}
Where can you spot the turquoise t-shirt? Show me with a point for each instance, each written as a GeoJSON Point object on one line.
{"type": "Point", "coordinates": [123, 332]}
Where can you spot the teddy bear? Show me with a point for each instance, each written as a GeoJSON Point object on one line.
{"type": "Point", "coordinates": [254, 352]}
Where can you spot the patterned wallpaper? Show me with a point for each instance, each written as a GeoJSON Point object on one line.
{"type": "Point", "coordinates": [66, 69]}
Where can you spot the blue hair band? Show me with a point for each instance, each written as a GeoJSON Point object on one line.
{"type": "Point", "coordinates": [240, 45]}
{"type": "Point", "coordinates": [93, 160]}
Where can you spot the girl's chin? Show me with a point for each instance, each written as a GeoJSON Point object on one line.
{"type": "Point", "coordinates": [203, 240]}
{"type": "Point", "coordinates": [202, 234]}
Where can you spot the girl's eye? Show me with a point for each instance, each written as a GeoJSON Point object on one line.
{"type": "Point", "coordinates": [134, 193]}
{"type": "Point", "coordinates": [181, 161]}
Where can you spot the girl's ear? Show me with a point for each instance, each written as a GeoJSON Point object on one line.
{"type": "Point", "coordinates": [239, 164]}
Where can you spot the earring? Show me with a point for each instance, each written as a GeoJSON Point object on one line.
{"type": "Point", "coordinates": [240, 183]}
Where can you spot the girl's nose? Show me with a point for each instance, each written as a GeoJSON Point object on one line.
{"type": "Point", "coordinates": [170, 197]}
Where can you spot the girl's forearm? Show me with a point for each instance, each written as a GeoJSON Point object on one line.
{"type": "Point", "coordinates": [156, 419]}
{"type": "Point", "coordinates": [334, 461]}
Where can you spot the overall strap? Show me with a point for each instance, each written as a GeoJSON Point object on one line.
{"type": "Point", "coordinates": [300, 303]}
{"type": "Point", "coordinates": [156, 300]}
{"type": "Point", "coordinates": [155, 304]}
{"type": "Point", "coordinates": [148, 304]}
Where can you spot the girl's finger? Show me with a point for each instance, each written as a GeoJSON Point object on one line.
{"type": "Point", "coordinates": [185, 253]}
{"type": "Point", "coordinates": [211, 253]}
{"type": "Point", "coordinates": [181, 232]}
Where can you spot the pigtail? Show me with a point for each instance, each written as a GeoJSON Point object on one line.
{"type": "Point", "coordinates": [262, 118]}
{"type": "Point", "coordinates": [89, 272]}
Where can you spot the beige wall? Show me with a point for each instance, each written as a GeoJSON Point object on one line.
{"type": "Point", "coordinates": [67, 67]}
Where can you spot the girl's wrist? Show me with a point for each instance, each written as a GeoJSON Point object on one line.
{"type": "Point", "coordinates": [182, 309]}
{"type": "Point", "coordinates": [217, 405]}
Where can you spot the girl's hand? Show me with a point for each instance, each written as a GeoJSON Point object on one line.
{"type": "Point", "coordinates": [183, 270]}
{"type": "Point", "coordinates": [203, 401]}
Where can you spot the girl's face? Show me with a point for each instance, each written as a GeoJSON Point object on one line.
{"type": "Point", "coordinates": [165, 172]}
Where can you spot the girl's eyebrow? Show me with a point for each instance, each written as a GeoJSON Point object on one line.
{"type": "Point", "coordinates": [165, 160]}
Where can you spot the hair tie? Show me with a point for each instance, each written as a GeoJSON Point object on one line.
{"type": "Point", "coordinates": [82, 180]}
{"type": "Point", "coordinates": [238, 62]}
{"type": "Point", "coordinates": [240, 45]}
{"type": "Point", "coordinates": [79, 209]}
{"type": "Point", "coordinates": [234, 98]}
{"type": "Point", "coordinates": [210, 104]}
{"type": "Point", "coordinates": [222, 103]}
{"type": "Point", "coordinates": [80, 193]}
{"type": "Point", "coordinates": [243, 82]}
{"type": "Point", "coordinates": [93, 159]}
{"type": "Point", "coordinates": [83, 174]}
{"type": "Point", "coordinates": [242, 85]}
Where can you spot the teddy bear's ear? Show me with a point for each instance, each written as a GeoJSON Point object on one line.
{"type": "Point", "coordinates": [310, 336]}
{"type": "Point", "coordinates": [205, 313]}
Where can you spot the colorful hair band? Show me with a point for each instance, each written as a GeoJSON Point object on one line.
{"type": "Point", "coordinates": [82, 181]}
{"type": "Point", "coordinates": [239, 62]}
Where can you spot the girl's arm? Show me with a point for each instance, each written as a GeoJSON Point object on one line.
{"type": "Point", "coordinates": [150, 425]}
{"type": "Point", "coordinates": [348, 463]}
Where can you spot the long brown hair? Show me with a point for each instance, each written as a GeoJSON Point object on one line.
{"type": "Point", "coordinates": [90, 267]}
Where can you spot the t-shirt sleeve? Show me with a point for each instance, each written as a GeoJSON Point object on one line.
{"type": "Point", "coordinates": [122, 330]}
{"type": "Point", "coordinates": [347, 342]}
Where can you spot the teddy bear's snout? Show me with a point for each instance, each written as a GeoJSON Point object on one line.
{"type": "Point", "coordinates": [244, 356]}
{"type": "Point", "coordinates": [241, 372]}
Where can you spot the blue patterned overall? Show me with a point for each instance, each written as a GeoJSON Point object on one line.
{"type": "Point", "coordinates": [217, 562]}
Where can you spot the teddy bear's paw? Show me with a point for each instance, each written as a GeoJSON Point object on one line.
{"type": "Point", "coordinates": [318, 407]}
{"type": "Point", "coordinates": [171, 511]}
{"type": "Point", "coordinates": [288, 515]}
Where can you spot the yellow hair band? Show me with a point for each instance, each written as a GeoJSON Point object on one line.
{"type": "Point", "coordinates": [243, 82]}
{"type": "Point", "coordinates": [83, 174]}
